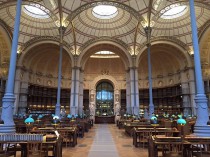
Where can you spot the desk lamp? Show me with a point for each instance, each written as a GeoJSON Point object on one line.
{"type": "Point", "coordinates": [55, 121]}
{"type": "Point", "coordinates": [182, 123]}
{"type": "Point", "coordinates": [29, 122]}
{"type": "Point", "coordinates": [154, 122]}
{"type": "Point", "coordinates": [69, 116]}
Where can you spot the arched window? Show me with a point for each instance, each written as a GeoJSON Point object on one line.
{"type": "Point", "coordinates": [104, 99]}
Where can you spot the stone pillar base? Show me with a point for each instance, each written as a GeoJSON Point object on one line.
{"type": "Point", "coordinates": [7, 128]}
{"type": "Point", "coordinates": [74, 110]}
{"type": "Point", "coordinates": [202, 131]}
{"type": "Point", "coordinates": [135, 110]}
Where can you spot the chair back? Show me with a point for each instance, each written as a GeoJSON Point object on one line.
{"type": "Point", "coordinates": [34, 148]}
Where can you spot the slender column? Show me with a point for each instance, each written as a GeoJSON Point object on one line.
{"type": "Point", "coordinates": [9, 99]}
{"type": "Point", "coordinates": [192, 91]}
{"type": "Point", "coordinates": [200, 98]}
{"type": "Point", "coordinates": [58, 105]}
{"type": "Point", "coordinates": [151, 105]}
{"type": "Point", "coordinates": [148, 30]}
{"type": "Point", "coordinates": [128, 94]}
{"type": "Point", "coordinates": [134, 91]}
{"type": "Point", "coordinates": [75, 91]}
{"type": "Point", "coordinates": [81, 92]}
{"type": "Point", "coordinates": [17, 90]}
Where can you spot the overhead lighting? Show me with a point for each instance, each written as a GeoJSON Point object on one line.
{"type": "Point", "coordinates": [173, 11]}
{"type": "Point", "coordinates": [105, 11]}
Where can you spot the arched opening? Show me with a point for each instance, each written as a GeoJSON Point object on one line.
{"type": "Point", "coordinates": [104, 99]}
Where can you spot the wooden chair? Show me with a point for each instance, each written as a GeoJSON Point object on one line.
{"type": "Point", "coordinates": [200, 150]}
{"type": "Point", "coordinates": [143, 138]}
{"type": "Point", "coordinates": [172, 149]}
{"type": "Point", "coordinates": [66, 137]}
{"type": "Point", "coordinates": [7, 149]}
{"type": "Point", "coordinates": [34, 149]}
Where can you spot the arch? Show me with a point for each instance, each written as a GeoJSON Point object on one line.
{"type": "Point", "coordinates": [11, 3]}
{"type": "Point", "coordinates": [5, 47]}
{"type": "Point", "coordinates": [93, 4]}
{"type": "Point", "coordinates": [38, 41]}
{"type": "Point", "coordinates": [98, 79]}
{"type": "Point", "coordinates": [183, 48]}
{"type": "Point", "coordinates": [105, 44]}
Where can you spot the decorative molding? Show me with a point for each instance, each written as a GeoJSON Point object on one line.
{"type": "Point", "coordinates": [11, 3]}
{"type": "Point", "coordinates": [167, 38]}
{"type": "Point", "coordinates": [92, 41]}
{"type": "Point", "coordinates": [116, 4]}
{"type": "Point", "coordinates": [44, 38]}
{"type": "Point", "coordinates": [203, 29]}
{"type": "Point", "coordinates": [104, 77]}
{"type": "Point", "coordinates": [199, 4]}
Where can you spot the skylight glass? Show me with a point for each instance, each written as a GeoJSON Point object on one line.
{"type": "Point", "coordinates": [105, 11]}
{"type": "Point", "coordinates": [104, 54]}
{"type": "Point", "coordinates": [36, 11]}
{"type": "Point", "coordinates": [173, 11]}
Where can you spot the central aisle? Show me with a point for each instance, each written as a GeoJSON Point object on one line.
{"type": "Point", "coordinates": [103, 143]}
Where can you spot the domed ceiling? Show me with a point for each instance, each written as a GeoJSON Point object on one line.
{"type": "Point", "coordinates": [83, 26]}
{"type": "Point", "coordinates": [41, 19]}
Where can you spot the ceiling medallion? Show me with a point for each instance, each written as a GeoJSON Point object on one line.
{"type": "Point", "coordinates": [105, 11]}
{"type": "Point", "coordinates": [173, 11]}
{"type": "Point", "coordinates": [36, 11]}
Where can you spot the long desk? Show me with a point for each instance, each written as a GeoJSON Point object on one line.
{"type": "Point", "coordinates": [188, 145]}
{"type": "Point", "coordinates": [71, 130]}
{"type": "Point", "coordinates": [47, 142]}
{"type": "Point", "coordinates": [104, 119]}
{"type": "Point", "coordinates": [141, 135]}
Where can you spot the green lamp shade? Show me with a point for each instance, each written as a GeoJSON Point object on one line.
{"type": "Point", "coordinates": [181, 121]}
{"type": "Point", "coordinates": [153, 120]}
{"type": "Point", "coordinates": [69, 116]}
{"type": "Point", "coordinates": [40, 116]}
{"type": "Point", "coordinates": [55, 120]}
{"type": "Point", "coordinates": [29, 120]}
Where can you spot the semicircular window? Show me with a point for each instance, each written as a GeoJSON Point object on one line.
{"type": "Point", "coordinates": [104, 99]}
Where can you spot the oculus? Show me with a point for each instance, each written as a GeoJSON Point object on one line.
{"type": "Point", "coordinates": [105, 11]}
{"type": "Point", "coordinates": [36, 11]}
{"type": "Point", "coordinates": [173, 11]}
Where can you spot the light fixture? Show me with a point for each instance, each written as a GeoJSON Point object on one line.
{"type": "Point", "coordinates": [29, 120]}
{"type": "Point", "coordinates": [69, 116]}
{"type": "Point", "coordinates": [55, 121]}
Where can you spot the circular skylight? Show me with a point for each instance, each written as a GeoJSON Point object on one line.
{"type": "Point", "coordinates": [173, 11]}
{"type": "Point", "coordinates": [36, 10]}
{"type": "Point", "coordinates": [105, 11]}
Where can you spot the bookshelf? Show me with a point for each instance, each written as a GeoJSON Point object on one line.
{"type": "Point", "coordinates": [123, 100]}
{"type": "Point", "coordinates": [168, 99]}
{"type": "Point", "coordinates": [43, 99]}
